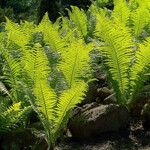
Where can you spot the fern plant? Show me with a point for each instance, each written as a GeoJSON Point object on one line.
{"type": "Point", "coordinates": [120, 40]}
{"type": "Point", "coordinates": [53, 109]}
{"type": "Point", "coordinates": [126, 54]}
{"type": "Point", "coordinates": [12, 116]}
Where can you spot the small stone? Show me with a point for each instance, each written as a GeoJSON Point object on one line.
{"type": "Point", "coordinates": [111, 99]}
{"type": "Point", "coordinates": [102, 94]}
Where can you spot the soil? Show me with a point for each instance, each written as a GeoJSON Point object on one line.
{"type": "Point", "coordinates": [135, 138]}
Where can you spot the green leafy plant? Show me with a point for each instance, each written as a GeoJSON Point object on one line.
{"type": "Point", "coordinates": [121, 36]}
{"type": "Point", "coordinates": [13, 116]}
{"type": "Point", "coordinates": [29, 72]}
{"type": "Point", "coordinates": [125, 50]}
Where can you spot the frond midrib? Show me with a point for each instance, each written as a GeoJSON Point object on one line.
{"type": "Point", "coordinates": [118, 66]}
{"type": "Point", "coordinates": [73, 70]}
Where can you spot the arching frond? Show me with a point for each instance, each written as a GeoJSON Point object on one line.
{"type": "Point", "coordinates": [67, 101]}
{"type": "Point", "coordinates": [142, 59]}
{"type": "Point", "coordinates": [12, 72]}
{"type": "Point", "coordinates": [121, 11]}
{"type": "Point", "coordinates": [44, 94]}
{"type": "Point", "coordinates": [79, 18]}
{"type": "Point", "coordinates": [12, 116]}
{"type": "Point", "coordinates": [51, 35]}
{"type": "Point", "coordinates": [140, 18]}
{"type": "Point", "coordinates": [75, 61]}
{"type": "Point", "coordinates": [45, 97]}
{"type": "Point", "coordinates": [140, 67]}
{"type": "Point", "coordinates": [117, 50]}
{"type": "Point", "coordinates": [19, 34]}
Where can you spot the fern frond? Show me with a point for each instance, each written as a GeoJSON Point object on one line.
{"type": "Point", "coordinates": [45, 98]}
{"type": "Point", "coordinates": [79, 18]}
{"type": "Point", "coordinates": [67, 101]}
{"type": "Point", "coordinates": [67, 32]}
{"type": "Point", "coordinates": [142, 58]}
{"type": "Point", "coordinates": [32, 59]}
{"type": "Point", "coordinates": [44, 106]}
{"type": "Point", "coordinates": [75, 61]}
{"type": "Point", "coordinates": [12, 72]}
{"type": "Point", "coordinates": [121, 11]}
{"type": "Point", "coordinates": [12, 117]}
{"type": "Point", "coordinates": [51, 35]}
{"type": "Point", "coordinates": [140, 67]}
{"type": "Point", "coordinates": [19, 34]}
{"type": "Point", "coordinates": [117, 50]}
{"type": "Point", "coordinates": [140, 18]}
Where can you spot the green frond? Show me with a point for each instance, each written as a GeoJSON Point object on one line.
{"type": "Point", "coordinates": [140, 67]}
{"type": "Point", "coordinates": [41, 68]}
{"type": "Point", "coordinates": [67, 101]}
{"type": "Point", "coordinates": [45, 100]}
{"type": "Point", "coordinates": [45, 97]}
{"type": "Point", "coordinates": [28, 61]}
{"type": "Point", "coordinates": [44, 105]}
{"type": "Point", "coordinates": [19, 34]}
{"type": "Point", "coordinates": [79, 18]}
{"type": "Point", "coordinates": [95, 10]}
{"type": "Point", "coordinates": [12, 73]}
{"type": "Point", "coordinates": [34, 60]}
{"type": "Point", "coordinates": [65, 25]}
{"type": "Point", "coordinates": [12, 117]}
{"type": "Point", "coordinates": [67, 32]}
{"type": "Point", "coordinates": [117, 50]}
{"type": "Point", "coordinates": [75, 61]}
{"type": "Point", "coordinates": [140, 18]}
{"type": "Point", "coordinates": [51, 35]}
{"type": "Point", "coordinates": [121, 11]}
{"type": "Point", "coordinates": [142, 58]}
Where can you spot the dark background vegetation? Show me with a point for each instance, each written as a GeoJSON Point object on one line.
{"type": "Point", "coordinates": [35, 9]}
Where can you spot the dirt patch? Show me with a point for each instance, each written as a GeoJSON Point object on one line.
{"type": "Point", "coordinates": [136, 138]}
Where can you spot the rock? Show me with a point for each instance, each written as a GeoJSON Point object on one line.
{"type": "Point", "coordinates": [111, 99]}
{"type": "Point", "coordinates": [102, 78]}
{"type": "Point", "coordinates": [92, 121]}
{"type": "Point", "coordinates": [103, 93]}
{"type": "Point", "coordinates": [91, 94]}
{"type": "Point", "coordinates": [146, 116]}
{"type": "Point", "coordinates": [21, 139]}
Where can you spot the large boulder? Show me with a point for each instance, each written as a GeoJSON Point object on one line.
{"type": "Point", "coordinates": [93, 119]}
